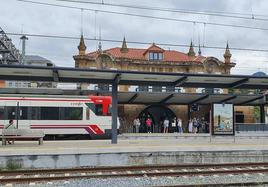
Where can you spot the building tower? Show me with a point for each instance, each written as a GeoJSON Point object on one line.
{"type": "Point", "coordinates": [82, 47]}
{"type": "Point", "coordinates": [199, 50]}
{"type": "Point", "coordinates": [124, 48]}
{"type": "Point", "coordinates": [227, 55]}
{"type": "Point", "coordinates": [191, 50]}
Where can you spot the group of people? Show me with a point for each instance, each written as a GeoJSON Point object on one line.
{"type": "Point", "coordinates": [176, 123]}
{"type": "Point", "coordinates": [197, 125]}
{"type": "Point", "coordinates": [137, 124]}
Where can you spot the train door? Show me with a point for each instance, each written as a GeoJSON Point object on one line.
{"type": "Point", "coordinates": [24, 121]}
{"type": "Point", "coordinates": [10, 112]}
{"type": "Point", "coordinates": [2, 114]}
{"type": "Point", "coordinates": [19, 112]}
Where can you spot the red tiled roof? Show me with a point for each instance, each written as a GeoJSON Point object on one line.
{"type": "Point", "coordinates": [140, 54]}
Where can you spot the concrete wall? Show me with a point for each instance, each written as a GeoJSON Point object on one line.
{"type": "Point", "coordinates": [128, 159]}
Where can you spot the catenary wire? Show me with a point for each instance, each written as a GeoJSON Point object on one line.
{"type": "Point", "coordinates": [148, 16]}
{"type": "Point", "coordinates": [184, 11]}
{"type": "Point", "coordinates": [132, 42]}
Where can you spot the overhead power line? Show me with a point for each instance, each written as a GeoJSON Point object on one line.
{"type": "Point", "coordinates": [184, 11]}
{"type": "Point", "coordinates": [148, 16]}
{"type": "Point", "coordinates": [132, 42]}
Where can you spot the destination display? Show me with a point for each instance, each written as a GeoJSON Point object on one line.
{"type": "Point", "coordinates": [223, 119]}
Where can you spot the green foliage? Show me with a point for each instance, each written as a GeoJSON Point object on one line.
{"type": "Point", "coordinates": [13, 165]}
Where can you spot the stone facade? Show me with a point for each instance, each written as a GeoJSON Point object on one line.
{"type": "Point", "coordinates": [152, 59]}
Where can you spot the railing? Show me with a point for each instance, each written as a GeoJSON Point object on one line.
{"type": "Point", "coordinates": [251, 127]}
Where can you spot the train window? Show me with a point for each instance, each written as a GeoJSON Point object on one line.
{"type": "Point", "coordinates": [24, 113]}
{"type": "Point", "coordinates": [109, 110]}
{"type": "Point", "coordinates": [87, 113]}
{"type": "Point", "coordinates": [11, 112]}
{"type": "Point", "coordinates": [2, 112]}
{"type": "Point", "coordinates": [98, 110]}
{"type": "Point", "coordinates": [49, 113]}
{"type": "Point", "coordinates": [71, 113]}
{"type": "Point", "coordinates": [35, 113]}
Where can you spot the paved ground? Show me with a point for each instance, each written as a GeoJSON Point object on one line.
{"type": "Point", "coordinates": [124, 146]}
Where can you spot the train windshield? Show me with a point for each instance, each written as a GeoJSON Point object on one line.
{"type": "Point", "coordinates": [99, 109]}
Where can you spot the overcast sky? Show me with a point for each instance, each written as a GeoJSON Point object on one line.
{"type": "Point", "coordinates": [17, 17]}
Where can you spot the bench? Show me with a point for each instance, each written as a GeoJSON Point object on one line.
{"type": "Point", "coordinates": [22, 134]}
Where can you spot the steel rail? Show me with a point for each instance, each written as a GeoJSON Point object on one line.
{"type": "Point", "coordinates": [229, 184]}
{"type": "Point", "coordinates": [139, 174]}
{"type": "Point", "coordinates": [122, 168]}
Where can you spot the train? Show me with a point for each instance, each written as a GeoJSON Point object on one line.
{"type": "Point", "coordinates": [69, 117]}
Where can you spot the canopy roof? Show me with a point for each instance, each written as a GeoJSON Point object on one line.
{"type": "Point", "coordinates": [145, 97]}
{"type": "Point", "coordinates": [75, 75]}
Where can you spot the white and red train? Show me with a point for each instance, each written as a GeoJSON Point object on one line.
{"type": "Point", "coordinates": [59, 115]}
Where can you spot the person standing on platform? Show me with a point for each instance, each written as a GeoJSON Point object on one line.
{"type": "Point", "coordinates": [166, 124]}
{"type": "Point", "coordinates": [174, 125]}
{"type": "Point", "coordinates": [134, 125]}
{"type": "Point", "coordinates": [149, 125]}
{"type": "Point", "coordinates": [179, 124]}
{"type": "Point", "coordinates": [190, 126]}
{"type": "Point", "coordinates": [195, 125]}
{"type": "Point", "coordinates": [138, 124]}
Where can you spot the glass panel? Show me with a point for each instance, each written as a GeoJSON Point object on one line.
{"type": "Point", "coordinates": [155, 56]}
{"type": "Point", "coordinates": [143, 88]}
{"type": "Point", "coordinates": [72, 113]}
{"type": "Point", "coordinates": [11, 112]}
{"type": "Point", "coordinates": [24, 113]}
{"type": "Point", "coordinates": [151, 56]}
{"type": "Point", "coordinates": [103, 87]}
{"type": "Point", "coordinates": [35, 113]}
{"type": "Point", "coordinates": [98, 110]}
{"type": "Point", "coordinates": [157, 88]}
{"type": "Point", "coordinates": [1, 112]}
{"type": "Point", "coordinates": [170, 89]}
{"type": "Point", "coordinates": [160, 55]}
{"type": "Point", "coordinates": [49, 113]}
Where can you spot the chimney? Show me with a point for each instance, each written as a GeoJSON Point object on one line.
{"type": "Point", "coordinates": [23, 38]}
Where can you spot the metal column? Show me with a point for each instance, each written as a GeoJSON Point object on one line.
{"type": "Point", "coordinates": [114, 109]}
{"type": "Point", "coordinates": [262, 114]}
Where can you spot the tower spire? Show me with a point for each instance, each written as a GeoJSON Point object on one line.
{"type": "Point", "coordinates": [227, 55]}
{"type": "Point", "coordinates": [199, 50]}
{"type": "Point", "coordinates": [124, 48]}
{"type": "Point", "coordinates": [82, 47]}
{"type": "Point", "coordinates": [100, 45]}
{"type": "Point", "coordinates": [191, 50]}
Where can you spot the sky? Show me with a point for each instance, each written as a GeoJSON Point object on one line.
{"type": "Point", "coordinates": [22, 17]}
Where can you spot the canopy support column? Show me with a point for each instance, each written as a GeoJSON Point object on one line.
{"type": "Point", "coordinates": [262, 114]}
{"type": "Point", "coordinates": [115, 108]}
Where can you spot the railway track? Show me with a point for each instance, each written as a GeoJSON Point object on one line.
{"type": "Point", "coordinates": [28, 176]}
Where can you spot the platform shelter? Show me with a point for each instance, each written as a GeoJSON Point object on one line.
{"type": "Point", "coordinates": [115, 78]}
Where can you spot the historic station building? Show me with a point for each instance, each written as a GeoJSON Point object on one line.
{"type": "Point", "coordinates": [155, 59]}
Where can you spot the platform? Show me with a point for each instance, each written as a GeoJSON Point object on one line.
{"type": "Point", "coordinates": [77, 153]}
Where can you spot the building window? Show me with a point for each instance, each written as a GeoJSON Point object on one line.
{"type": "Point", "coordinates": [155, 56]}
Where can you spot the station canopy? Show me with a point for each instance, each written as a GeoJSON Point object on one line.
{"type": "Point", "coordinates": [165, 98]}
{"type": "Point", "coordinates": [76, 75]}
{"type": "Point", "coordinates": [94, 76]}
